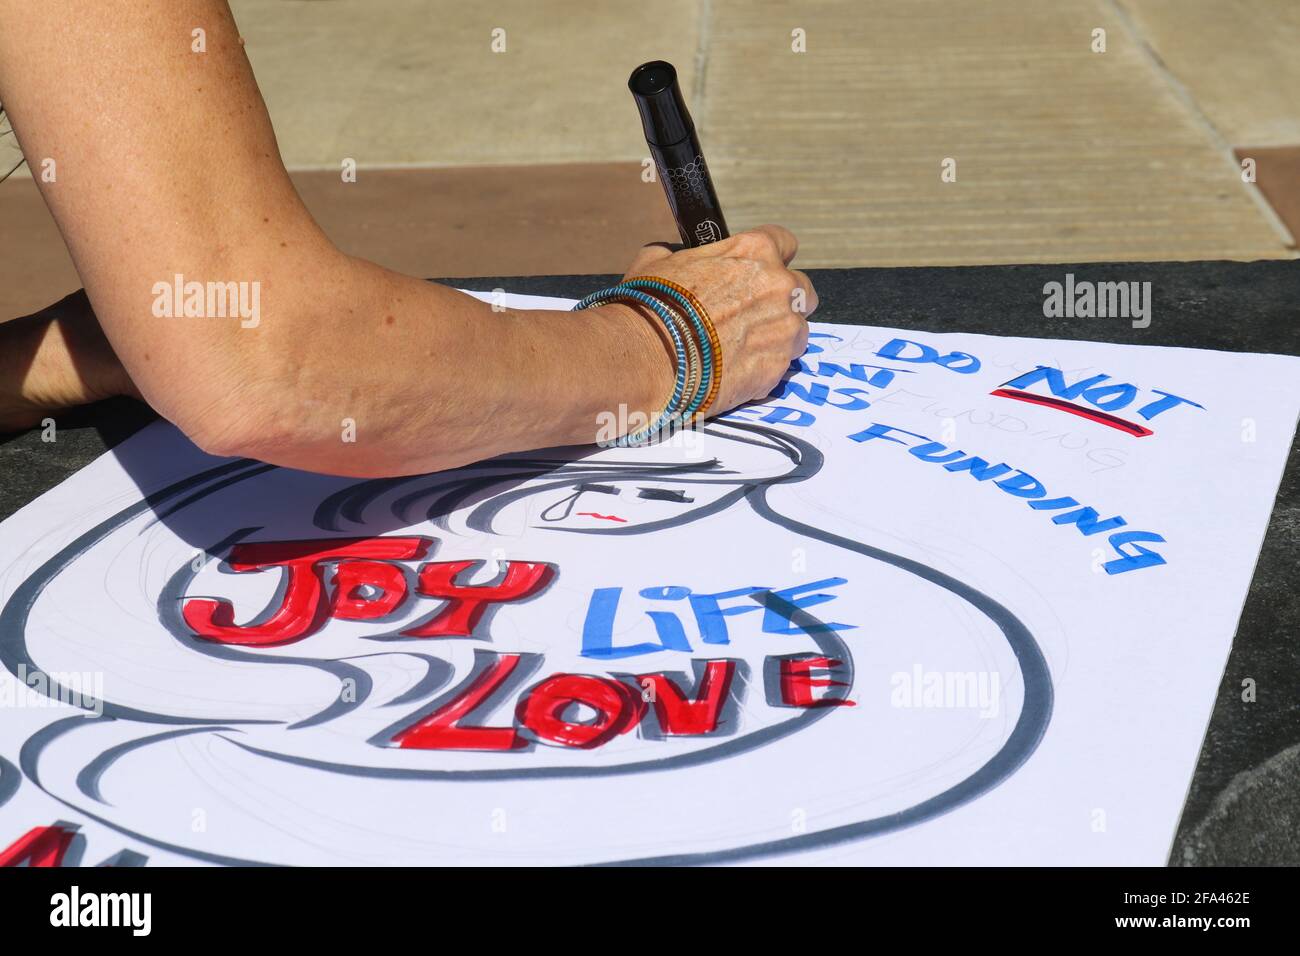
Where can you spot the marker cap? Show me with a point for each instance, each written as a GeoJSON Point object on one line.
{"type": "Point", "coordinates": [659, 98]}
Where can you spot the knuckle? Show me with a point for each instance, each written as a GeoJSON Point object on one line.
{"type": "Point", "coordinates": [781, 285]}
{"type": "Point", "coordinates": [802, 341]}
{"type": "Point", "coordinates": [756, 244]}
{"type": "Point", "coordinates": [788, 237]}
{"type": "Point", "coordinates": [771, 280]}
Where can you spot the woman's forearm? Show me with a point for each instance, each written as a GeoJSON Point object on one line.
{"type": "Point", "coordinates": [169, 178]}
{"type": "Point", "coordinates": [168, 167]}
{"type": "Point", "coordinates": [386, 374]}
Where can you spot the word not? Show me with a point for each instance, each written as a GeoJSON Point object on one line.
{"type": "Point", "coordinates": [1086, 300]}
{"type": "Point", "coordinates": [208, 300]}
{"type": "Point", "coordinates": [1021, 484]}
{"type": "Point", "coordinates": [1097, 391]}
{"type": "Point", "coordinates": [549, 712]}
{"type": "Point", "coordinates": [708, 611]}
{"type": "Point", "coordinates": [103, 909]}
{"type": "Point", "coordinates": [367, 585]}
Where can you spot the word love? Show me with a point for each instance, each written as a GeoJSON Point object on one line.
{"type": "Point", "coordinates": [367, 585]}
{"type": "Point", "coordinates": [548, 712]}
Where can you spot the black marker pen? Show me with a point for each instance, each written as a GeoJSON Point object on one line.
{"type": "Point", "coordinates": [670, 134]}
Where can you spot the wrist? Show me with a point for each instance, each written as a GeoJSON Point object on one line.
{"type": "Point", "coordinates": [649, 357]}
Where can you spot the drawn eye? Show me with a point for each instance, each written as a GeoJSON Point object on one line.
{"type": "Point", "coordinates": [564, 507]}
{"type": "Point", "coordinates": [664, 494]}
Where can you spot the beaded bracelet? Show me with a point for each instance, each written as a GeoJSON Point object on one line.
{"type": "Point", "coordinates": [695, 340]}
{"type": "Point", "coordinates": [670, 320]}
{"type": "Point", "coordinates": [694, 366]}
{"type": "Point", "coordinates": [707, 336]}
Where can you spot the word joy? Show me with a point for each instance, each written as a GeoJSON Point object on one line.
{"type": "Point", "coordinates": [367, 586]}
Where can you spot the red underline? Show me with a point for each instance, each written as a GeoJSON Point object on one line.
{"type": "Point", "coordinates": [1101, 418]}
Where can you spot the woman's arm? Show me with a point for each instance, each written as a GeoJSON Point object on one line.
{"type": "Point", "coordinates": [165, 164]}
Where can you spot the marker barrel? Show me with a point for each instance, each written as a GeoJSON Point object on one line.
{"type": "Point", "coordinates": [675, 149]}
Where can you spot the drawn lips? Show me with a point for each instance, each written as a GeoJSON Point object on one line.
{"type": "Point", "coordinates": [593, 514]}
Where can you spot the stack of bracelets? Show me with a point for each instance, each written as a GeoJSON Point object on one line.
{"type": "Point", "coordinates": [699, 353]}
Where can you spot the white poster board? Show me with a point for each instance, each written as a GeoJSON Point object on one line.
{"type": "Point", "coordinates": [947, 599]}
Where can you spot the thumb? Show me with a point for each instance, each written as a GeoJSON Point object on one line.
{"type": "Point", "coordinates": [647, 257]}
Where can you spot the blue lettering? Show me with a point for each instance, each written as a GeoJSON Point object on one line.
{"type": "Point", "coordinates": [774, 620]}
{"type": "Point", "coordinates": [980, 469]}
{"type": "Point", "coordinates": [1139, 558]}
{"type": "Point", "coordinates": [1086, 519]}
{"type": "Point", "coordinates": [1055, 381]}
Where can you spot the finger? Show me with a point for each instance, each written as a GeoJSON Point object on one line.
{"type": "Point", "coordinates": [809, 302]}
{"type": "Point", "coordinates": [648, 256]}
{"type": "Point", "coordinates": [800, 343]}
{"type": "Point", "coordinates": [786, 244]}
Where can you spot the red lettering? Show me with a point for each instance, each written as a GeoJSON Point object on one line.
{"type": "Point", "coordinates": [542, 710]}
{"type": "Point", "coordinates": [351, 576]}
{"type": "Point", "coordinates": [797, 682]}
{"type": "Point", "coordinates": [466, 603]}
{"type": "Point", "coordinates": [682, 717]}
{"type": "Point", "coordinates": [441, 730]}
{"type": "Point", "coordinates": [39, 846]}
{"type": "Point", "coordinates": [303, 609]}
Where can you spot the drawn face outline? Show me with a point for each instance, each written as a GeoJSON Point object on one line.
{"type": "Point", "coordinates": [1030, 726]}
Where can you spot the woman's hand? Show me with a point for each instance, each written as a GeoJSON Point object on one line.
{"type": "Point", "coordinates": [758, 304]}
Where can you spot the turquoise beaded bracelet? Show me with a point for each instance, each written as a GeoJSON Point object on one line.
{"type": "Point", "coordinates": [702, 329]}
{"type": "Point", "coordinates": [670, 415]}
